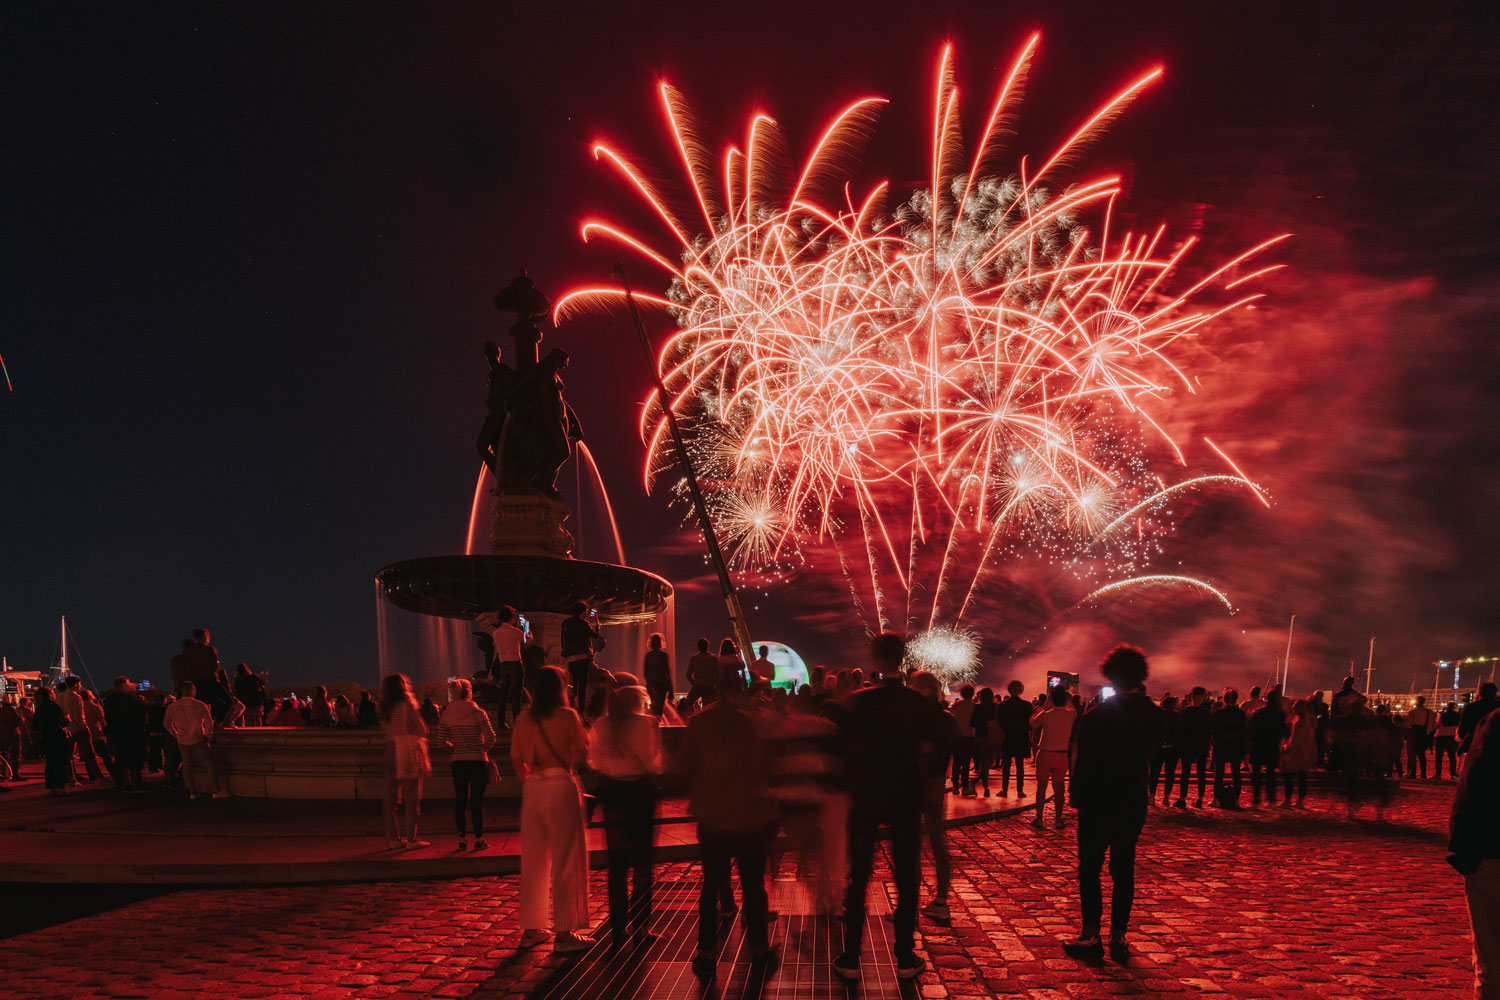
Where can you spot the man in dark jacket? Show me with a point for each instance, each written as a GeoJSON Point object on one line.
{"type": "Point", "coordinates": [1111, 773]}
{"type": "Point", "coordinates": [125, 719]}
{"type": "Point", "coordinates": [580, 641]}
{"type": "Point", "coordinates": [1194, 736]}
{"type": "Point", "coordinates": [1475, 713]}
{"type": "Point", "coordinates": [1475, 845]}
{"type": "Point", "coordinates": [1266, 729]}
{"type": "Point", "coordinates": [1230, 732]}
{"type": "Point", "coordinates": [724, 755]}
{"type": "Point", "coordinates": [702, 674]}
{"type": "Point", "coordinates": [1015, 737]}
{"type": "Point", "coordinates": [201, 666]}
{"type": "Point", "coordinates": [891, 730]}
{"type": "Point", "coordinates": [657, 671]}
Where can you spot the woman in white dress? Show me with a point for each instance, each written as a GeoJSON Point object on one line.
{"type": "Point", "coordinates": [406, 762]}
{"type": "Point", "coordinates": [547, 745]}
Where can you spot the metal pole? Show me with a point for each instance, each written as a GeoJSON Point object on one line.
{"type": "Point", "coordinates": [1370, 666]}
{"type": "Point", "coordinates": [1286, 664]}
{"type": "Point", "coordinates": [715, 555]}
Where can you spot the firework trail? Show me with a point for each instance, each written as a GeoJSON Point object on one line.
{"type": "Point", "coordinates": [981, 372]}
{"type": "Point", "coordinates": [6, 371]}
{"type": "Point", "coordinates": [1158, 579]}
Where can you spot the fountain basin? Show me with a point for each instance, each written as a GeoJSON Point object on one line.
{"type": "Point", "coordinates": [269, 762]}
{"type": "Point", "coordinates": [465, 586]}
{"type": "Point", "coordinates": [310, 763]}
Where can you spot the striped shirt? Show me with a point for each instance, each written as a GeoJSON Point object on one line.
{"type": "Point", "coordinates": [466, 728]}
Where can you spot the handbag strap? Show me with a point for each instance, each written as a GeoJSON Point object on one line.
{"type": "Point", "coordinates": [552, 749]}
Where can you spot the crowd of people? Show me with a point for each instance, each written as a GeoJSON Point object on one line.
{"type": "Point", "coordinates": [132, 730]}
{"type": "Point", "coordinates": [116, 739]}
{"type": "Point", "coordinates": [816, 772]}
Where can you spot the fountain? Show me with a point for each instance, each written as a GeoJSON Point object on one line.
{"type": "Point", "coordinates": [529, 432]}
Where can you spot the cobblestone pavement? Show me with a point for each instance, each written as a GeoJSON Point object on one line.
{"type": "Point", "coordinates": [1266, 904]}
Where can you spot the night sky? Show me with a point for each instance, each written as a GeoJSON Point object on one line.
{"type": "Point", "coordinates": [250, 255]}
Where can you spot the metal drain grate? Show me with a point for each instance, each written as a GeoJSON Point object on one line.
{"type": "Point", "coordinates": [806, 944]}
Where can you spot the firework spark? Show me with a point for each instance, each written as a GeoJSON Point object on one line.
{"type": "Point", "coordinates": [952, 654]}
{"type": "Point", "coordinates": [984, 370]}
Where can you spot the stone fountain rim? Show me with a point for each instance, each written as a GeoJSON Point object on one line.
{"type": "Point", "coordinates": [612, 611]}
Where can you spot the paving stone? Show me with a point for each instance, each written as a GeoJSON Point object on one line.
{"type": "Point", "coordinates": [1308, 905]}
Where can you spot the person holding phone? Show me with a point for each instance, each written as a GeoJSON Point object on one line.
{"type": "Point", "coordinates": [580, 641]}
{"type": "Point", "coordinates": [1113, 744]}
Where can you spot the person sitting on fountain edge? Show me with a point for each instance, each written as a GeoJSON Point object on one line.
{"type": "Point", "coordinates": [1115, 741]}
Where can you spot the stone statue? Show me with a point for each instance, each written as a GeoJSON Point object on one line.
{"type": "Point", "coordinates": [529, 429]}
{"type": "Point", "coordinates": [500, 380]}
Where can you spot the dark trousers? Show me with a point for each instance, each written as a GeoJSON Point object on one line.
{"type": "Point", "coordinates": [747, 852]}
{"type": "Point", "coordinates": [130, 757]}
{"type": "Point", "coordinates": [578, 671]}
{"type": "Point", "coordinates": [1164, 761]}
{"type": "Point", "coordinates": [1191, 757]}
{"type": "Point", "coordinates": [172, 759]}
{"type": "Point", "coordinates": [629, 809]}
{"type": "Point", "coordinates": [101, 751]}
{"type": "Point", "coordinates": [933, 813]}
{"type": "Point", "coordinates": [963, 756]}
{"type": "Point", "coordinates": [156, 748]}
{"type": "Point", "coordinates": [905, 820]}
{"type": "Point", "coordinates": [470, 778]}
{"type": "Point", "coordinates": [1101, 832]}
{"type": "Point", "coordinates": [1227, 789]}
{"type": "Point", "coordinates": [1263, 774]}
{"type": "Point", "coordinates": [983, 750]}
{"type": "Point", "coordinates": [1447, 746]}
{"type": "Point", "coordinates": [215, 695]}
{"type": "Point", "coordinates": [1005, 762]}
{"type": "Point", "coordinates": [58, 770]}
{"type": "Point", "coordinates": [659, 694]}
{"type": "Point", "coordinates": [1416, 755]}
{"type": "Point", "coordinates": [1301, 776]}
{"type": "Point", "coordinates": [509, 676]}
{"type": "Point", "coordinates": [85, 747]}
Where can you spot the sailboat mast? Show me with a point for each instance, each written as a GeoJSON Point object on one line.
{"type": "Point", "coordinates": [1286, 664]}
{"type": "Point", "coordinates": [63, 663]}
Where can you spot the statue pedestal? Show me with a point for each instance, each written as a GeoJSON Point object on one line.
{"type": "Point", "coordinates": [530, 525]}
{"type": "Point", "coordinates": [546, 631]}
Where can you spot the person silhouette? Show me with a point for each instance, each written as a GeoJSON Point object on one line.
{"type": "Point", "coordinates": [1115, 742]}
